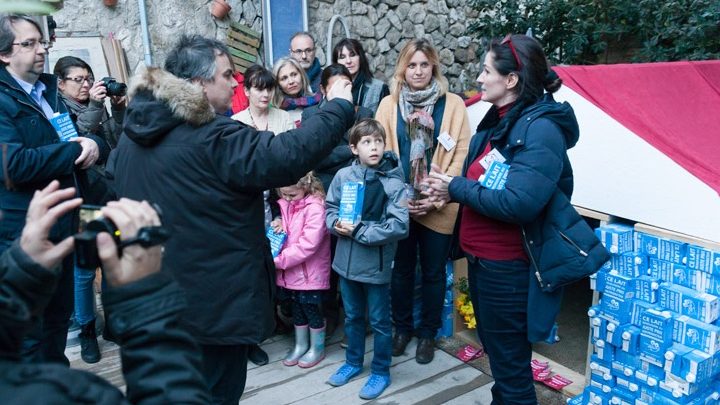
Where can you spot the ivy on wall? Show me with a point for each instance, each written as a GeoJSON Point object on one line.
{"type": "Point", "coordinates": [607, 31]}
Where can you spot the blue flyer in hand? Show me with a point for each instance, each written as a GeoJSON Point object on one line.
{"type": "Point", "coordinates": [351, 202]}
{"type": "Point", "coordinates": [64, 126]}
{"type": "Point", "coordinates": [495, 176]}
{"type": "Point", "coordinates": [277, 240]}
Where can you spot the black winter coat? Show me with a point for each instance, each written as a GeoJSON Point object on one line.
{"type": "Point", "coordinates": [341, 155]}
{"type": "Point", "coordinates": [535, 146]}
{"type": "Point", "coordinates": [32, 155]}
{"type": "Point", "coordinates": [207, 173]}
{"type": "Point", "coordinates": [160, 360]}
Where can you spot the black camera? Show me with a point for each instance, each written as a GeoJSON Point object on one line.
{"type": "Point", "coordinates": [92, 223]}
{"type": "Point", "coordinates": [114, 88]}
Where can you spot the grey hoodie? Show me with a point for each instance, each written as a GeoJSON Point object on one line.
{"type": "Point", "coordinates": [367, 256]}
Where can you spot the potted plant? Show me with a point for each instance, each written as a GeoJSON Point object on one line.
{"type": "Point", "coordinates": [220, 9]}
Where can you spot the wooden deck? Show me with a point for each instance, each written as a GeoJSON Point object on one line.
{"type": "Point", "coordinates": [446, 380]}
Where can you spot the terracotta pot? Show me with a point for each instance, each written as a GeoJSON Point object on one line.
{"type": "Point", "coordinates": [110, 3]}
{"type": "Point", "coordinates": [220, 9]}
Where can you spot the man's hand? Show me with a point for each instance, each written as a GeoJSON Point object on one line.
{"type": "Point", "coordinates": [340, 89]}
{"type": "Point", "coordinates": [344, 229]}
{"type": "Point", "coordinates": [137, 262]}
{"type": "Point", "coordinates": [90, 152]}
{"type": "Point", "coordinates": [46, 207]}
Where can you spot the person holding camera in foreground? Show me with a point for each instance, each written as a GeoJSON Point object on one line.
{"type": "Point", "coordinates": [160, 360]}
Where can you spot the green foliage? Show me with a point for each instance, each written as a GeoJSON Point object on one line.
{"type": "Point", "coordinates": [602, 31]}
{"type": "Point", "coordinates": [28, 6]}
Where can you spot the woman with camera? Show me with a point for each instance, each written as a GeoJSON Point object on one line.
{"type": "Point", "coordinates": [85, 99]}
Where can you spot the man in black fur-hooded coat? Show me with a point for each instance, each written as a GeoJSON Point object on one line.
{"type": "Point", "coordinates": [207, 173]}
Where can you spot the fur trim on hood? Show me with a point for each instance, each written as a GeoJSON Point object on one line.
{"type": "Point", "coordinates": [185, 99]}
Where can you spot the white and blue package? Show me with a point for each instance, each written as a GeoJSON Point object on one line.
{"type": "Point", "coordinates": [629, 264]}
{"type": "Point", "coordinates": [617, 238]}
{"type": "Point", "coordinates": [638, 308]}
{"type": "Point", "coordinates": [653, 350]}
{"type": "Point", "coordinates": [615, 285]}
{"type": "Point", "coordinates": [702, 259]}
{"type": "Point", "coordinates": [64, 126]}
{"type": "Point", "coordinates": [496, 176]}
{"type": "Point", "coordinates": [701, 306]}
{"type": "Point", "coordinates": [630, 338]}
{"type": "Point", "coordinates": [613, 333]}
{"type": "Point", "coordinates": [646, 288]}
{"type": "Point", "coordinates": [695, 334]}
{"type": "Point", "coordinates": [277, 240]}
{"type": "Point", "coordinates": [662, 248]}
{"type": "Point", "coordinates": [351, 202]}
{"type": "Point", "coordinates": [660, 269]}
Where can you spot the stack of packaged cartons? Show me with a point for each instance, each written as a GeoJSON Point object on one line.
{"type": "Point", "coordinates": [654, 333]}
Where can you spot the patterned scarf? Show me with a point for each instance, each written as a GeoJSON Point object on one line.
{"type": "Point", "coordinates": [291, 103]}
{"type": "Point", "coordinates": [420, 127]}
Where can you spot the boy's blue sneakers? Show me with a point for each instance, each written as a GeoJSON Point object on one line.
{"type": "Point", "coordinates": [343, 375]}
{"type": "Point", "coordinates": [375, 386]}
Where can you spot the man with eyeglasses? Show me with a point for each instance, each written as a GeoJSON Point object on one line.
{"type": "Point", "coordinates": [32, 155]}
{"type": "Point", "coordinates": [302, 49]}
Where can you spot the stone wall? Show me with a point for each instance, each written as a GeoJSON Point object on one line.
{"type": "Point", "coordinates": [382, 26]}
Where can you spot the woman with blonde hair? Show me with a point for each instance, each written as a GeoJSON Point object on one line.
{"type": "Point", "coordinates": [425, 125]}
{"type": "Point", "coordinates": [295, 93]}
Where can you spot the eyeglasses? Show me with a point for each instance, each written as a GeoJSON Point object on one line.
{"type": "Point", "coordinates": [32, 44]}
{"type": "Point", "coordinates": [508, 40]}
{"type": "Point", "coordinates": [307, 51]}
{"type": "Point", "coordinates": [80, 79]}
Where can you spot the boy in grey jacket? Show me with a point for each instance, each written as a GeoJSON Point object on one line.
{"type": "Point", "coordinates": [365, 252]}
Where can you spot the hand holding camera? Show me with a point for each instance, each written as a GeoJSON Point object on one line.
{"type": "Point", "coordinates": [108, 87]}
{"type": "Point", "coordinates": [141, 252]}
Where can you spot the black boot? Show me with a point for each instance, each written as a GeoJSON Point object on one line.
{"type": "Point", "coordinates": [89, 350]}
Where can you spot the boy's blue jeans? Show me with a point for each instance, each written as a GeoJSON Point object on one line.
{"type": "Point", "coordinates": [376, 297]}
{"type": "Point", "coordinates": [84, 296]}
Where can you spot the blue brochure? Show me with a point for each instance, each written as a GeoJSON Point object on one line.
{"type": "Point", "coordinates": [64, 126]}
{"type": "Point", "coordinates": [351, 202]}
{"type": "Point", "coordinates": [277, 240]}
{"type": "Point", "coordinates": [495, 176]}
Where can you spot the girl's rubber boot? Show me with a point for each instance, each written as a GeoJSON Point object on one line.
{"type": "Point", "coordinates": [317, 349]}
{"type": "Point", "coordinates": [302, 343]}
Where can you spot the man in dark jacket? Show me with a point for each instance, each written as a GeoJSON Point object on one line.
{"type": "Point", "coordinates": [207, 173]}
{"type": "Point", "coordinates": [32, 155]}
{"type": "Point", "coordinates": [160, 361]}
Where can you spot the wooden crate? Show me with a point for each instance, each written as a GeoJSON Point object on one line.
{"type": "Point", "coordinates": [243, 44]}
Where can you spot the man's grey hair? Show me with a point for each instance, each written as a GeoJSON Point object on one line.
{"type": "Point", "coordinates": [302, 34]}
{"type": "Point", "coordinates": [7, 34]}
{"type": "Point", "coordinates": [193, 57]}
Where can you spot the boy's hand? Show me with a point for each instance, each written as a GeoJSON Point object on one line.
{"type": "Point", "coordinates": [344, 229]}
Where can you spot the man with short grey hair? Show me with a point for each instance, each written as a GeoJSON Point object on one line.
{"type": "Point", "coordinates": [207, 172]}
{"type": "Point", "coordinates": [32, 155]}
{"type": "Point", "coordinates": [302, 49]}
